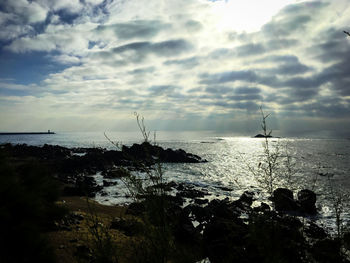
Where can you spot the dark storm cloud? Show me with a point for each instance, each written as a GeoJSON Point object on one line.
{"type": "Point", "coordinates": [135, 29]}
{"type": "Point", "coordinates": [166, 48]}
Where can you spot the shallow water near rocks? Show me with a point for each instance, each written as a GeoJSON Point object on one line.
{"type": "Point", "coordinates": [228, 173]}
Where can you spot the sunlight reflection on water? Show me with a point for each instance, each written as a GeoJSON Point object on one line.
{"type": "Point", "coordinates": [228, 161]}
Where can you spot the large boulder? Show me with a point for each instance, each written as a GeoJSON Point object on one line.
{"type": "Point", "coordinates": [284, 201]}
{"type": "Point", "coordinates": [307, 201]}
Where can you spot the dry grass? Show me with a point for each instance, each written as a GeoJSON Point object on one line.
{"type": "Point", "coordinates": [65, 242]}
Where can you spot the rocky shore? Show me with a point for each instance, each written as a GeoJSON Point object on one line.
{"type": "Point", "coordinates": [161, 226]}
{"type": "Point", "coordinates": [74, 166]}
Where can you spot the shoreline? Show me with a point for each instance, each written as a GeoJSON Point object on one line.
{"type": "Point", "coordinates": [26, 133]}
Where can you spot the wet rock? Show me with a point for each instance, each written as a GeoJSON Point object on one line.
{"type": "Point", "coordinates": [247, 197]}
{"type": "Point", "coordinates": [192, 193]}
{"type": "Point", "coordinates": [284, 201]}
{"type": "Point", "coordinates": [188, 191]}
{"type": "Point", "coordinates": [150, 153]}
{"type": "Point", "coordinates": [119, 172]}
{"type": "Point", "coordinates": [262, 208]}
{"type": "Point", "coordinates": [201, 201]}
{"type": "Point", "coordinates": [197, 213]}
{"type": "Point", "coordinates": [83, 186]}
{"type": "Point", "coordinates": [108, 183]}
{"type": "Point", "coordinates": [307, 201]}
{"type": "Point", "coordinates": [226, 189]}
{"type": "Point", "coordinates": [103, 193]}
{"type": "Point", "coordinates": [245, 201]}
{"type": "Point", "coordinates": [223, 209]}
{"type": "Point", "coordinates": [315, 232]}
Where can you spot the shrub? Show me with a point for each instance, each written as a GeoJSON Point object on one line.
{"type": "Point", "coordinates": [28, 209]}
{"type": "Point", "coordinates": [276, 167]}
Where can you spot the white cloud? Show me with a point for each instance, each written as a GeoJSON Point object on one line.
{"type": "Point", "coordinates": [94, 2]}
{"type": "Point", "coordinates": [10, 32]}
{"type": "Point", "coordinates": [132, 57]}
{"type": "Point", "coordinates": [66, 59]}
{"type": "Point", "coordinates": [30, 12]}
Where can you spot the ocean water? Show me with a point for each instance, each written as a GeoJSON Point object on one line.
{"type": "Point", "coordinates": [232, 167]}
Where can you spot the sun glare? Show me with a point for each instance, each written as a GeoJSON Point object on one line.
{"type": "Point", "coordinates": [246, 15]}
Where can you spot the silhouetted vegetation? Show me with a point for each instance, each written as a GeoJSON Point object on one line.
{"type": "Point", "coordinates": [27, 211]}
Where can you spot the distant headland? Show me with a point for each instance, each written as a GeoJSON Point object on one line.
{"type": "Point", "coordinates": [26, 133]}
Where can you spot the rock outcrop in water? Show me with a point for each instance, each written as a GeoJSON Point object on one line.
{"type": "Point", "coordinates": [73, 166]}
{"type": "Point", "coordinates": [284, 201]}
{"type": "Point", "coordinates": [262, 136]}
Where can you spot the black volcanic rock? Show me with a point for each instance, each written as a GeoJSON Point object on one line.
{"type": "Point", "coordinates": [149, 153]}
{"type": "Point", "coordinates": [68, 162]}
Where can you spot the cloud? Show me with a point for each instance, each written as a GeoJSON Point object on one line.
{"type": "Point", "coordinates": [190, 62]}
{"type": "Point", "coordinates": [135, 29]}
{"type": "Point", "coordinates": [25, 11]}
{"type": "Point", "coordinates": [219, 90]}
{"type": "Point", "coordinates": [230, 76]}
{"type": "Point", "coordinates": [158, 90]}
{"type": "Point", "coordinates": [294, 18]}
{"type": "Point", "coordinates": [109, 58]}
{"type": "Point", "coordinates": [136, 52]}
{"type": "Point", "coordinates": [66, 59]}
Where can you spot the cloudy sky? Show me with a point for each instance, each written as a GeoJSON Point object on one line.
{"type": "Point", "coordinates": [87, 65]}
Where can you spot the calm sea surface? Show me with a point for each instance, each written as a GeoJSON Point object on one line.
{"type": "Point", "coordinates": [315, 164]}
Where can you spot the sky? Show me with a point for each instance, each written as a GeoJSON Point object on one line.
{"type": "Point", "coordinates": [88, 65]}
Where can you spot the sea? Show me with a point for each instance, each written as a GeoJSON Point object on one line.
{"type": "Point", "coordinates": [234, 165]}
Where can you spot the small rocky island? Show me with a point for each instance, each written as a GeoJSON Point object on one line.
{"type": "Point", "coordinates": [262, 136]}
